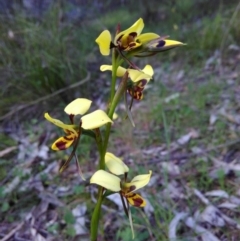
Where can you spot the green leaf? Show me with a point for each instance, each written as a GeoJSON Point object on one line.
{"type": "Point", "coordinates": [5, 207]}
{"type": "Point", "coordinates": [68, 217]}
{"type": "Point", "coordinates": [70, 231]}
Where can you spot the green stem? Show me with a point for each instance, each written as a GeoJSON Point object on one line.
{"type": "Point", "coordinates": [118, 95]}
{"type": "Point", "coordinates": [96, 215]}
{"type": "Point", "coordinates": [102, 146]}
{"type": "Point", "coordinates": [114, 74]}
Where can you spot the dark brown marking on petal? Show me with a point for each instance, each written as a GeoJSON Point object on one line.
{"type": "Point", "coordinates": [142, 83]}
{"type": "Point", "coordinates": [132, 44]}
{"type": "Point", "coordinates": [135, 93]}
{"type": "Point", "coordinates": [139, 95]}
{"type": "Point", "coordinates": [69, 132]}
{"type": "Point", "coordinates": [133, 35]}
{"type": "Point", "coordinates": [61, 145]}
{"type": "Point", "coordinates": [119, 38]}
{"type": "Point", "coordinates": [138, 89]}
{"type": "Point", "coordinates": [67, 138]}
{"type": "Point", "coordinates": [161, 43]}
{"type": "Point", "coordinates": [137, 202]}
{"type": "Point", "coordinates": [132, 188]}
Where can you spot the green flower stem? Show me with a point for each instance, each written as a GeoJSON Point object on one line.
{"type": "Point", "coordinates": [102, 146]}
{"type": "Point", "coordinates": [102, 151]}
{"type": "Point", "coordinates": [116, 62]}
{"type": "Point", "coordinates": [96, 215]}
{"type": "Point", "coordinates": [114, 74]}
{"type": "Point", "coordinates": [97, 209]}
{"type": "Point", "coordinates": [117, 97]}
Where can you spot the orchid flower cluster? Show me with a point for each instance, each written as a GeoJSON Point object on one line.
{"type": "Point", "coordinates": [111, 175]}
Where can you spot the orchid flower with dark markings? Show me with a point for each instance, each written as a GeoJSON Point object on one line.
{"type": "Point", "coordinates": [127, 190]}
{"type": "Point", "coordinates": [138, 79]}
{"type": "Point", "coordinates": [111, 181]}
{"type": "Point", "coordinates": [132, 41]}
{"type": "Point", "coordinates": [90, 121]}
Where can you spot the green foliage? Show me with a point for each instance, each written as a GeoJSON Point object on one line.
{"type": "Point", "coordinates": [68, 217]}
{"type": "Point", "coordinates": [70, 231]}
{"type": "Point", "coordinates": [126, 234]}
{"type": "Point", "coordinates": [45, 57]}
{"type": "Point", "coordinates": [40, 57]}
{"type": "Point", "coordinates": [53, 228]}
{"type": "Point", "coordinates": [4, 207]}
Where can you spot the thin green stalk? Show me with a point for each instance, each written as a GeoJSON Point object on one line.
{"type": "Point", "coordinates": [100, 149]}
{"type": "Point", "coordinates": [97, 209]}
{"type": "Point", "coordinates": [114, 75]}
{"type": "Point", "coordinates": [118, 95]}
{"type": "Point", "coordinates": [102, 146]}
{"type": "Point", "coordinates": [96, 215]}
{"type": "Point", "coordinates": [167, 138]}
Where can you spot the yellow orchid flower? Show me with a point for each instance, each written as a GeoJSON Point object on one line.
{"type": "Point", "coordinates": [128, 189]}
{"type": "Point", "coordinates": [66, 141]}
{"type": "Point", "coordinates": [131, 39]}
{"type": "Point", "coordinates": [111, 182]}
{"type": "Point", "coordinates": [134, 74]}
{"type": "Point", "coordinates": [139, 78]}
{"type": "Point", "coordinates": [90, 121]}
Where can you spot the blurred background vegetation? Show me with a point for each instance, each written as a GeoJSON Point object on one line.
{"type": "Point", "coordinates": [48, 57]}
{"type": "Point", "coordinates": [48, 45]}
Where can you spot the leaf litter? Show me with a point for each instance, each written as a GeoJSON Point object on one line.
{"type": "Point", "coordinates": [195, 182]}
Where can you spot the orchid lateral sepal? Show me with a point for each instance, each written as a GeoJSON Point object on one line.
{"type": "Point", "coordinates": [157, 45]}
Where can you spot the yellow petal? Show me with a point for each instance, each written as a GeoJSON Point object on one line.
{"type": "Point", "coordinates": [78, 106]}
{"type": "Point", "coordinates": [104, 41]}
{"type": "Point", "coordinates": [120, 71]}
{"type": "Point", "coordinates": [136, 200]}
{"type": "Point", "coordinates": [106, 180]}
{"type": "Point", "coordinates": [162, 44]}
{"type": "Point", "coordinates": [146, 37]}
{"type": "Point", "coordinates": [63, 142]}
{"type": "Point", "coordinates": [95, 120]}
{"type": "Point", "coordinates": [137, 183]}
{"type": "Point", "coordinates": [172, 43]}
{"type": "Point", "coordinates": [137, 27]}
{"type": "Point", "coordinates": [136, 75]}
{"type": "Point", "coordinates": [60, 123]}
{"type": "Point", "coordinates": [148, 70]}
{"type": "Point", "coordinates": [115, 164]}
